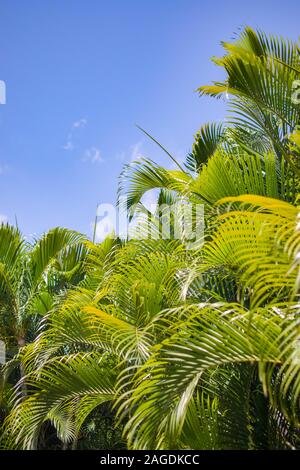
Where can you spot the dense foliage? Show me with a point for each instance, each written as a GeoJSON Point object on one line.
{"type": "Point", "coordinates": [147, 344]}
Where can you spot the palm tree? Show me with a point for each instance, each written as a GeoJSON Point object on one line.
{"type": "Point", "coordinates": [261, 72]}
{"type": "Point", "coordinates": [97, 336]}
{"type": "Point", "coordinates": [228, 373]}
{"type": "Point", "coordinates": [178, 366]}
{"type": "Point", "coordinates": [30, 277]}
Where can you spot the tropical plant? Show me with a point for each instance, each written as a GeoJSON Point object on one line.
{"type": "Point", "coordinates": [31, 277]}
{"type": "Point", "coordinates": [178, 348]}
{"type": "Point", "coordinates": [239, 361]}
{"type": "Point", "coordinates": [104, 327]}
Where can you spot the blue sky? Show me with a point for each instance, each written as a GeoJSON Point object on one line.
{"type": "Point", "coordinates": [80, 73]}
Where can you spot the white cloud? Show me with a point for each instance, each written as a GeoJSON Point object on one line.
{"type": "Point", "coordinates": [80, 123]}
{"type": "Point", "coordinates": [3, 219]}
{"type": "Point", "coordinates": [69, 145]}
{"type": "Point", "coordinates": [92, 155]}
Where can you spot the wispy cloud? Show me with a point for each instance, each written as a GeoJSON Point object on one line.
{"type": "Point", "coordinates": [69, 145]}
{"type": "Point", "coordinates": [92, 155]}
{"type": "Point", "coordinates": [80, 123]}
